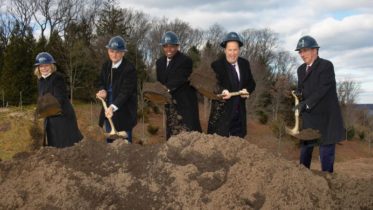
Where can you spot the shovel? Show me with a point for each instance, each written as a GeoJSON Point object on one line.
{"type": "Point", "coordinates": [238, 93]}
{"type": "Point", "coordinates": [305, 134]}
{"type": "Point", "coordinates": [114, 134]}
{"type": "Point", "coordinates": [205, 82]}
{"type": "Point", "coordinates": [156, 93]}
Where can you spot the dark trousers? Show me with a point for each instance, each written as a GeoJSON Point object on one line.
{"type": "Point", "coordinates": [236, 125]}
{"type": "Point", "coordinates": [327, 156]}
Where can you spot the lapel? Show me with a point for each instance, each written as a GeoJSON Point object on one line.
{"type": "Point", "coordinates": [313, 68]}
{"type": "Point", "coordinates": [173, 61]}
{"type": "Point", "coordinates": [227, 68]}
{"type": "Point", "coordinates": [171, 66]}
{"type": "Point", "coordinates": [242, 68]}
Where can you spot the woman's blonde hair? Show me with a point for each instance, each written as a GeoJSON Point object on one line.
{"type": "Point", "coordinates": [38, 74]}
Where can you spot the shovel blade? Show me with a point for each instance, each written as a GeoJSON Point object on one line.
{"type": "Point", "coordinates": [305, 134]}
{"type": "Point", "coordinates": [117, 135]}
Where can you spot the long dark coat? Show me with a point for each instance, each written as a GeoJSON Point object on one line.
{"type": "Point", "coordinates": [124, 84]}
{"type": "Point", "coordinates": [222, 111]}
{"type": "Point", "coordinates": [175, 78]}
{"type": "Point", "coordinates": [62, 130]}
{"type": "Point", "coordinates": [319, 92]}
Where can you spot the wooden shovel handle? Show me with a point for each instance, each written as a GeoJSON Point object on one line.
{"type": "Point", "coordinates": [113, 131]}
{"type": "Point", "coordinates": [238, 93]}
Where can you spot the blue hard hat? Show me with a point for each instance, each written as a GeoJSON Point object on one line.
{"type": "Point", "coordinates": [170, 38]}
{"type": "Point", "coordinates": [44, 58]}
{"type": "Point", "coordinates": [117, 43]}
{"type": "Point", "coordinates": [231, 36]}
{"type": "Point", "coordinates": [306, 42]}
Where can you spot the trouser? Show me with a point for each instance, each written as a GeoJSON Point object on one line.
{"type": "Point", "coordinates": [236, 124]}
{"type": "Point", "coordinates": [107, 125]}
{"type": "Point", "coordinates": [327, 156]}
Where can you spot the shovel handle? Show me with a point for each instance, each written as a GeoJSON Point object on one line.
{"type": "Point", "coordinates": [238, 93]}
{"type": "Point", "coordinates": [113, 131]}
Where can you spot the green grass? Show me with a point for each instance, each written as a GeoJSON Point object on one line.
{"type": "Point", "coordinates": [18, 138]}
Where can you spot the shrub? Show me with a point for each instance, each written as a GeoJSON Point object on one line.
{"type": "Point", "coordinates": [350, 132]}
{"type": "Point", "coordinates": [262, 117]}
{"type": "Point", "coordinates": [141, 114]}
{"type": "Point", "coordinates": [361, 135]}
{"type": "Point", "coordinates": [152, 129]}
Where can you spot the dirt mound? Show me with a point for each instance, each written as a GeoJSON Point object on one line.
{"type": "Point", "coordinates": [190, 171]}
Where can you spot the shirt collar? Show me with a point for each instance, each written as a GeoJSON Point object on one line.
{"type": "Point", "coordinates": [116, 65]}
{"type": "Point", "coordinates": [46, 75]}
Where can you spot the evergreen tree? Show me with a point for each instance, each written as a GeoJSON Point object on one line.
{"type": "Point", "coordinates": [17, 74]}
{"type": "Point", "coordinates": [112, 22]}
{"type": "Point", "coordinates": [195, 55]}
{"type": "Point", "coordinates": [55, 47]}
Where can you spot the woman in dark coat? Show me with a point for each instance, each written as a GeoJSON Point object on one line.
{"type": "Point", "coordinates": [60, 130]}
{"type": "Point", "coordinates": [173, 71]}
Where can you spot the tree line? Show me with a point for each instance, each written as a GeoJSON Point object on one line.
{"type": "Point", "coordinates": [75, 32]}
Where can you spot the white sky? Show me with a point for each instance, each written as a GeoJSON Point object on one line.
{"type": "Point", "coordinates": [343, 29]}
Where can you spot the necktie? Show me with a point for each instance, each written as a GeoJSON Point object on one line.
{"type": "Point", "coordinates": [168, 62]}
{"type": "Point", "coordinates": [308, 69]}
{"type": "Point", "coordinates": [235, 75]}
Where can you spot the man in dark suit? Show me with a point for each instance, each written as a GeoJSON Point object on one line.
{"type": "Point", "coordinates": [118, 86]}
{"type": "Point", "coordinates": [173, 70]}
{"type": "Point", "coordinates": [319, 106]}
{"type": "Point", "coordinates": [228, 116]}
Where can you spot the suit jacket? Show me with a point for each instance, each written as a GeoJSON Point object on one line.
{"type": "Point", "coordinates": [319, 92]}
{"type": "Point", "coordinates": [222, 111]}
{"type": "Point", "coordinates": [124, 87]}
{"type": "Point", "coordinates": [62, 130]}
{"type": "Point", "coordinates": [175, 77]}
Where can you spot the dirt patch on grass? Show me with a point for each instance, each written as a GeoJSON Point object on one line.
{"type": "Point", "coordinates": [190, 171]}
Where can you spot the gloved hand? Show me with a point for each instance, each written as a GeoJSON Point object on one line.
{"type": "Point", "coordinates": [302, 106]}
{"type": "Point", "coordinates": [244, 93]}
{"type": "Point", "coordinates": [299, 94]}
{"type": "Point", "coordinates": [226, 94]}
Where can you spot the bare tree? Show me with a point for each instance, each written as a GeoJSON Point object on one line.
{"type": "Point", "coordinates": [78, 28]}
{"type": "Point", "coordinates": [6, 27]}
{"type": "Point", "coordinates": [22, 11]}
{"type": "Point", "coordinates": [348, 91]}
{"type": "Point", "coordinates": [259, 45]}
{"type": "Point", "coordinates": [214, 36]}
{"type": "Point", "coordinates": [57, 14]}
{"type": "Point", "coordinates": [282, 68]}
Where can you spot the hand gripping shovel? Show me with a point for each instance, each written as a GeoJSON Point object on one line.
{"type": "Point", "coordinates": [238, 93]}
{"type": "Point", "coordinates": [205, 82]}
{"type": "Point", "coordinates": [114, 134]}
{"type": "Point", "coordinates": [305, 134]}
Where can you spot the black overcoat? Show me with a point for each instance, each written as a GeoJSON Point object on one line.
{"type": "Point", "coordinates": [124, 87]}
{"type": "Point", "coordinates": [62, 130]}
{"type": "Point", "coordinates": [222, 110]}
{"type": "Point", "coordinates": [175, 77]}
{"type": "Point", "coordinates": [319, 92]}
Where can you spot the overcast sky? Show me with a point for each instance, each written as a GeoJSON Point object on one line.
{"type": "Point", "coordinates": [342, 28]}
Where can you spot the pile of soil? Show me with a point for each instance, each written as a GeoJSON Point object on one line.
{"type": "Point", "coordinates": [190, 171]}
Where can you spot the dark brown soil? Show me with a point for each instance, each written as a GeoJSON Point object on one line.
{"type": "Point", "coordinates": [190, 171]}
